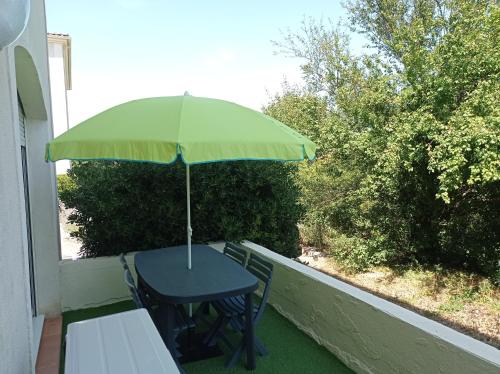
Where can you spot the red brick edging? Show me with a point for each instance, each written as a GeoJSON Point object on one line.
{"type": "Point", "coordinates": [50, 347]}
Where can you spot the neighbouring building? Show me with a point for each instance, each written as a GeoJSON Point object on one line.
{"type": "Point", "coordinates": [60, 83]}
{"type": "Point", "coordinates": [29, 231]}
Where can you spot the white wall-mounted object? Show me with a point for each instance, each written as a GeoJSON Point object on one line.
{"type": "Point", "coordinates": [14, 16]}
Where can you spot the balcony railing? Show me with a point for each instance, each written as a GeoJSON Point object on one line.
{"type": "Point", "coordinates": [366, 333]}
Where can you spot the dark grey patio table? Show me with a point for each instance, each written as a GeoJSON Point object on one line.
{"type": "Point", "coordinates": [163, 272]}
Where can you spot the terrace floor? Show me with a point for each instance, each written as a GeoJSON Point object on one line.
{"type": "Point", "coordinates": [291, 351]}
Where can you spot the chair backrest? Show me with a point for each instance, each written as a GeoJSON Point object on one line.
{"type": "Point", "coordinates": [129, 280]}
{"type": "Point", "coordinates": [236, 253]}
{"type": "Point", "coordinates": [123, 261]}
{"type": "Point", "coordinates": [263, 270]}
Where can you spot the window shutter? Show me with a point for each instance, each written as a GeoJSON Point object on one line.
{"type": "Point", "coordinates": [22, 124]}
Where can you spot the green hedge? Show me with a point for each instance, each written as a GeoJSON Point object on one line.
{"type": "Point", "coordinates": [121, 207]}
{"type": "Point", "coordinates": [64, 183]}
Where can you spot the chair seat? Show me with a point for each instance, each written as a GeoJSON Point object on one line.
{"type": "Point", "coordinates": [232, 306]}
{"type": "Point", "coordinates": [236, 253]}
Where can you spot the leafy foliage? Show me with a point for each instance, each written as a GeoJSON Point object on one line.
{"type": "Point", "coordinates": [121, 207]}
{"type": "Point", "coordinates": [64, 183]}
{"type": "Point", "coordinates": [409, 164]}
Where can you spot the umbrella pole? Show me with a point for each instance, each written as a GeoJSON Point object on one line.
{"type": "Point", "coordinates": [189, 230]}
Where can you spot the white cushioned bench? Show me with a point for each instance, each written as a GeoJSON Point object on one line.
{"type": "Point", "coordinates": [122, 343]}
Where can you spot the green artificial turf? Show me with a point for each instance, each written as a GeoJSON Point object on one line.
{"type": "Point", "coordinates": [291, 351]}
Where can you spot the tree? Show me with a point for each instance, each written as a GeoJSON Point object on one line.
{"type": "Point", "coordinates": [409, 167]}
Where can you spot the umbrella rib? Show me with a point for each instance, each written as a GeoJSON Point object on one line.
{"type": "Point", "coordinates": [181, 112]}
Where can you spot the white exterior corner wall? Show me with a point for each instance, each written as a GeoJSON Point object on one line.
{"type": "Point", "coordinates": [24, 69]}
{"type": "Point", "coordinates": [60, 81]}
{"type": "Point", "coordinates": [369, 334]}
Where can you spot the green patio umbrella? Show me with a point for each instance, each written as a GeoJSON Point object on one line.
{"type": "Point", "coordinates": [196, 129]}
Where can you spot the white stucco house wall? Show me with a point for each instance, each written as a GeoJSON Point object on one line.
{"type": "Point", "coordinates": [29, 231]}
{"type": "Point", "coordinates": [60, 84]}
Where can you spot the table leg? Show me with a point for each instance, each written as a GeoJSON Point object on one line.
{"type": "Point", "coordinates": [168, 310]}
{"type": "Point", "coordinates": [249, 332]}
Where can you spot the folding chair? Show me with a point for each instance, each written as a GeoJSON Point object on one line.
{"type": "Point", "coordinates": [232, 311]}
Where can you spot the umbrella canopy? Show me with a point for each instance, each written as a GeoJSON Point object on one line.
{"type": "Point", "coordinates": [196, 129]}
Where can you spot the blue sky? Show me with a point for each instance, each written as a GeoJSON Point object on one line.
{"type": "Point", "coordinates": [127, 49]}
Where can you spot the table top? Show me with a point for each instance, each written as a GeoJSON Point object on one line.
{"type": "Point", "coordinates": [212, 276]}
{"type": "Point", "coordinates": [125, 343]}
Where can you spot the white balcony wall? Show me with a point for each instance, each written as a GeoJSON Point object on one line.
{"type": "Point", "coordinates": [369, 334]}
{"type": "Point", "coordinates": [87, 283]}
